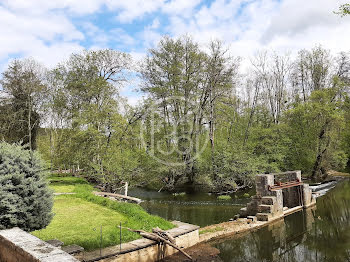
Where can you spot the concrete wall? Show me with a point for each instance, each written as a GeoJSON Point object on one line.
{"type": "Point", "coordinates": [269, 203]}
{"type": "Point", "coordinates": [262, 183]}
{"type": "Point", "coordinates": [151, 253]}
{"type": "Point", "coordinates": [145, 250]}
{"type": "Point", "coordinates": [288, 176]}
{"type": "Point", "coordinates": [10, 252]}
{"type": "Point", "coordinates": [17, 245]}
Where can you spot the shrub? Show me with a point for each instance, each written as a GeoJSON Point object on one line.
{"type": "Point", "coordinates": [25, 199]}
{"type": "Point", "coordinates": [246, 195]}
{"type": "Point", "coordinates": [224, 197]}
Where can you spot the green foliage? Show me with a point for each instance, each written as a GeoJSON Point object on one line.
{"type": "Point", "coordinates": [25, 199]}
{"type": "Point", "coordinates": [344, 10]}
{"type": "Point", "coordinates": [201, 123]}
{"type": "Point", "coordinates": [345, 142]}
{"type": "Point", "coordinates": [23, 90]}
{"type": "Point", "coordinates": [224, 197]}
{"type": "Point", "coordinates": [313, 128]}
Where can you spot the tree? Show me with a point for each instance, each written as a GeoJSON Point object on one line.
{"type": "Point", "coordinates": [221, 77]}
{"type": "Point", "coordinates": [173, 76]}
{"type": "Point", "coordinates": [313, 129]}
{"type": "Point", "coordinates": [23, 95]}
{"type": "Point", "coordinates": [187, 84]}
{"type": "Point", "coordinates": [312, 71]}
{"type": "Point", "coordinates": [344, 10]}
{"type": "Point", "coordinates": [25, 199]}
{"type": "Point", "coordinates": [86, 99]}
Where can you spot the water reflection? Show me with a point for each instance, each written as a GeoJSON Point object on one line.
{"type": "Point", "coordinates": [321, 234]}
{"type": "Point", "coordinates": [196, 208]}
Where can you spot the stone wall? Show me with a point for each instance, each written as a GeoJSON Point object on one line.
{"type": "Point", "coordinates": [17, 245]}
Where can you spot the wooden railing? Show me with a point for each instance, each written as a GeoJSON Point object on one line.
{"type": "Point", "coordinates": [282, 185]}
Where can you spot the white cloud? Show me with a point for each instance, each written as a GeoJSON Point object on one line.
{"type": "Point", "coordinates": [53, 54]}
{"type": "Point", "coordinates": [79, 7]}
{"type": "Point", "coordinates": [249, 25]}
{"type": "Point", "coordinates": [50, 30]}
{"type": "Point", "coordinates": [294, 17]}
{"type": "Point", "coordinates": [49, 37]}
{"type": "Point", "coordinates": [119, 35]}
{"type": "Point", "coordinates": [45, 27]}
{"type": "Point", "coordinates": [180, 7]}
{"type": "Point", "coordinates": [132, 9]}
{"type": "Point", "coordinates": [155, 23]}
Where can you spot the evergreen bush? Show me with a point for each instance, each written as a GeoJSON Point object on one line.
{"type": "Point", "coordinates": [25, 198]}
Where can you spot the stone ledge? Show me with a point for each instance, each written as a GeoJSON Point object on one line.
{"type": "Point", "coordinates": [142, 244]}
{"type": "Point", "coordinates": [18, 244]}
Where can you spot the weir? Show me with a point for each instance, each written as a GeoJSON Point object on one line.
{"type": "Point", "coordinates": [276, 193]}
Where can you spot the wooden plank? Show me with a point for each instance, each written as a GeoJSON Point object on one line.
{"type": "Point", "coordinates": [106, 194]}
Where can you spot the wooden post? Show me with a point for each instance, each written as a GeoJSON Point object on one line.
{"type": "Point", "coordinates": [126, 189]}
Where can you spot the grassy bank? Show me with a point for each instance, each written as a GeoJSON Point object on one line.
{"type": "Point", "coordinates": [78, 218]}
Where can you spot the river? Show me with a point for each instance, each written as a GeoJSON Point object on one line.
{"type": "Point", "coordinates": [200, 209]}
{"type": "Point", "coordinates": [319, 234]}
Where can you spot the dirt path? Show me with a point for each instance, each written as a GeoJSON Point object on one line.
{"type": "Point", "coordinates": [200, 253]}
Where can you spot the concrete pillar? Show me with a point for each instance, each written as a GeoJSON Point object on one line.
{"type": "Point", "coordinates": [262, 184]}
{"type": "Point", "coordinates": [307, 195]}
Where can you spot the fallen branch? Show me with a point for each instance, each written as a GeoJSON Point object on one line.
{"type": "Point", "coordinates": [164, 234]}
{"type": "Point", "coordinates": [157, 238]}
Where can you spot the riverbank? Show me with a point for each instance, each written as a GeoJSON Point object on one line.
{"type": "Point", "coordinates": [333, 173]}
{"type": "Point", "coordinates": [80, 216]}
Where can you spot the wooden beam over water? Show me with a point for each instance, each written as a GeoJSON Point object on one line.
{"type": "Point", "coordinates": [118, 196]}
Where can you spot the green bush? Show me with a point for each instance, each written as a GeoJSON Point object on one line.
{"type": "Point", "coordinates": [25, 199]}
{"type": "Point", "coordinates": [246, 195]}
{"type": "Point", "coordinates": [224, 197]}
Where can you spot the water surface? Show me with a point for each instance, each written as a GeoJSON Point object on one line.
{"type": "Point", "coordinates": [200, 209]}
{"type": "Point", "coordinates": [318, 234]}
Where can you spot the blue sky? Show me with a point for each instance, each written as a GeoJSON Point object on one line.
{"type": "Point", "coordinates": [50, 30]}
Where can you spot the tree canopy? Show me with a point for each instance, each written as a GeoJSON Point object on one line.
{"type": "Point", "coordinates": [203, 120]}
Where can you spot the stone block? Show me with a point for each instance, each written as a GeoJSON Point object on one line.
{"type": "Point", "coordinates": [266, 209]}
{"type": "Point", "coordinates": [55, 242]}
{"type": "Point", "coordinates": [263, 216]}
{"type": "Point", "coordinates": [252, 218]}
{"type": "Point", "coordinates": [73, 249]}
{"type": "Point", "coordinates": [268, 200]}
{"type": "Point", "coordinates": [243, 212]}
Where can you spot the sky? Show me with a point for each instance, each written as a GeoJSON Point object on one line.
{"type": "Point", "coordinates": [50, 30]}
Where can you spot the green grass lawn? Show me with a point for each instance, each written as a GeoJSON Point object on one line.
{"type": "Point", "coordinates": [78, 218]}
